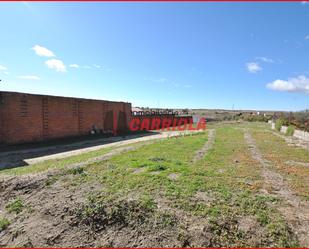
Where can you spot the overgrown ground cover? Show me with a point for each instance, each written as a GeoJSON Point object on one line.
{"type": "Point", "coordinates": [154, 195]}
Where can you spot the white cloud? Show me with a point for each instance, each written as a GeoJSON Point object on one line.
{"type": "Point", "coordinates": [41, 51]}
{"type": "Point", "coordinates": [97, 66]}
{"type": "Point", "coordinates": [307, 37]}
{"type": "Point", "coordinates": [29, 77]}
{"type": "Point", "coordinates": [253, 67]}
{"type": "Point", "coordinates": [74, 66]}
{"type": "Point", "coordinates": [298, 84]}
{"type": "Point", "coordinates": [265, 59]}
{"type": "Point", "coordinates": [3, 68]}
{"type": "Point", "coordinates": [55, 64]}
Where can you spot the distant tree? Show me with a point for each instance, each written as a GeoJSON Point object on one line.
{"type": "Point", "coordinates": [185, 111]}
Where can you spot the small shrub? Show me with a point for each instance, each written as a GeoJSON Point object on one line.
{"type": "Point", "coordinates": [279, 124]}
{"type": "Point", "coordinates": [99, 213]}
{"type": "Point", "coordinates": [157, 159]}
{"type": "Point", "coordinates": [4, 223]}
{"type": "Point", "coordinates": [290, 130]}
{"type": "Point", "coordinates": [76, 171]}
{"type": "Point", "coordinates": [157, 167]}
{"type": "Point", "coordinates": [15, 206]}
{"type": "Point", "coordinates": [51, 180]}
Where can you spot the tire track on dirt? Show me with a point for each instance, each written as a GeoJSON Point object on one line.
{"type": "Point", "coordinates": [208, 145]}
{"type": "Point", "coordinates": [295, 210]}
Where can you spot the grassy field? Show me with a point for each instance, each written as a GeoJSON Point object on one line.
{"type": "Point", "coordinates": [156, 195]}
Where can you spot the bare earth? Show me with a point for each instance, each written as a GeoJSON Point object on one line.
{"type": "Point", "coordinates": [208, 145]}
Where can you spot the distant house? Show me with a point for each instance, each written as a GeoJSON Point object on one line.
{"type": "Point", "coordinates": [136, 109]}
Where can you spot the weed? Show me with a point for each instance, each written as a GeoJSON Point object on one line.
{"type": "Point", "coordinates": [290, 130]}
{"type": "Point", "coordinates": [76, 171]}
{"type": "Point", "coordinates": [279, 231]}
{"type": "Point", "coordinates": [157, 159]}
{"type": "Point", "coordinates": [99, 213]}
{"type": "Point", "coordinates": [157, 167]}
{"type": "Point", "coordinates": [15, 206]}
{"type": "Point", "coordinates": [279, 124]}
{"type": "Point", "coordinates": [4, 223]}
{"type": "Point", "coordinates": [51, 180]}
{"type": "Point", "coordinates": [166, 219]}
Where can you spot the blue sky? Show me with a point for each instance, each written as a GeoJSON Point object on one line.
{"type": "Point", "coordinates": [176, 55]}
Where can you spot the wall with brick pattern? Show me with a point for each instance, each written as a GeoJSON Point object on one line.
{"type": "Point", "coordinates": [29, 117]}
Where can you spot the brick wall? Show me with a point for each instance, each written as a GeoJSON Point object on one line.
{"type": "Point", "coordinates": [30, 118]}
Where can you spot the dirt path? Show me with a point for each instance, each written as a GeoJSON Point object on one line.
{"type": "Point", "coordinates": [294, 210]}
{"type": "Point", "coordinates": [208, 145]}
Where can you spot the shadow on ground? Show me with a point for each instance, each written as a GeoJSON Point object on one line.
{"type": "Point", "coordinates": [15, 155]}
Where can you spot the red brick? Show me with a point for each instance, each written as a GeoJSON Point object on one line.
{"type": "Point", "coordinates": [29, 117]}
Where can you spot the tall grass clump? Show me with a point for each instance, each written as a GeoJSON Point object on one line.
{"type": "Point", "coordinates": [290, 130]}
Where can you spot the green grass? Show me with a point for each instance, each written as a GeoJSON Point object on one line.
{"type": "Point", "coordinates": [163, 158]}
{"type": "Point", "coordinates": [290, 130]}
{"type": "Point", "coordinates": [279, 124]}
{"type": "Point", "coordinates": [16, 206]}
{"type": "Point", "coordinates": [4, 223]}
{"type": "Point", "coordinates": [60, 163]}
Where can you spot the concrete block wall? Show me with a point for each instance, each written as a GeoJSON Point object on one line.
{"type": "Point", "coordinates": [283, 129]}
{"type": "Point", "coordinates": [273, 126]}
{"type": "Point", "coordinates": [303, 135]}
{"type": "Point", "coordinates": [30, 117]}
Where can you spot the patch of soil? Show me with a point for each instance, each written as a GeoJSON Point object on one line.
{"type": "Point", "coordinates": [138, 170]}
{"type": "Point", "coordinates": [154, 172]}
{"type": "Point", "coordinates": [208, 145]}
{"type": "Point", "coordinates": [247, 223]}
{"type": "Point", "coordinates": [205, 197]}
{"type": "Point", "coordinates": [173, 176]}
{"type": "Point", "coordinates": [297, 163]}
